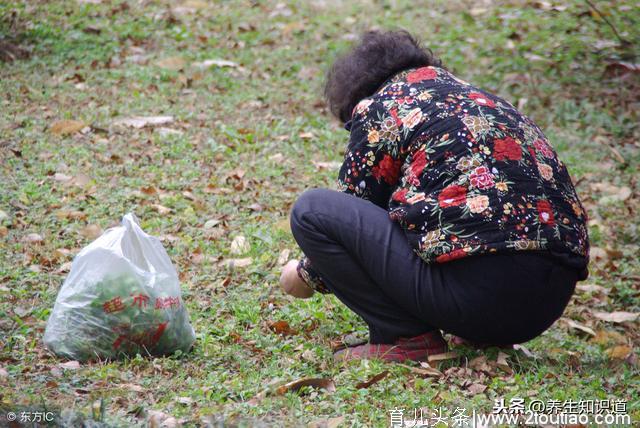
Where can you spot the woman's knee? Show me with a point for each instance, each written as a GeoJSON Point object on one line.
{"type": "Point", "coordinates": [309, 201]}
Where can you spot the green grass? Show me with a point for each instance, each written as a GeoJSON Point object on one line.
{"type": "Point", "coordinates": [83, 66]}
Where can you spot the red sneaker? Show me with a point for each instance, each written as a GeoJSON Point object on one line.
{"type": "Point", "coordinates": [417, 348]}
{"type": "Point", "coordinates": [457, 340]}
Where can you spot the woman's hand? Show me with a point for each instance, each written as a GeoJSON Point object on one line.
{"type": "Point", "coordinates": [292, 284]}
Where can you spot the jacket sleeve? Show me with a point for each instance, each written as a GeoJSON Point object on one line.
{"type": "Point", "coordinates": [372, 162]}
{"type": "Point", "coordinates": [308, 274]}
{"type": "Point", "coordinates": [371, 166]}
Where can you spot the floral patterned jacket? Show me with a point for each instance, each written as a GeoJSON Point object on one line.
{"type": "Point", "coordinates": [461, 170]}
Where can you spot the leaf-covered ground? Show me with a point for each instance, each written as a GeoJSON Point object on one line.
{"type": "Point", "coordinates": [247, 136]}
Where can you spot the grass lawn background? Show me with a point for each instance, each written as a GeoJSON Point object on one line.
{"type": "Point", "coordinates": [245, 140]}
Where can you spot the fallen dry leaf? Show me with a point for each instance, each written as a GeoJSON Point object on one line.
{"type": "Point", "coordinates": [375, 379]}
{"type": "Point", "coordinates": [576, 325]}
{"type": "Point", "coordinates": [64, 268]}
{"type": "Point", "coordinates": [215, 63]}
{"type": "Point", "coordinates": [131, 387]}
{"type": "Point", "coordinates": [174, 63]}
{"type": "Point", "coordinates": [21, 311]}
{"type": "Point", "coordinates": [283, 258]}
{"type": "Point", "coordinates": [188, 195]}
{"type": "Point", "coordinates": [295, 386]}
{"type": "Point", "coordinates": [239, 245]}
{"type": "Point", "coordinates": [524, 350]}
{"type": "Point", "coordinates": [66, 127]}
{"type": "Point", "coordinates": [476, 388]}
{"type": "Point", "coordinates": [306, 135]}
{"type": "Point", "coordinates": [480, 363]}
{"type": "Point", "coordinates": [63, 178]}
{"type": "Point", "coordinates": [292, 27]}
{"type": "Point", "coordinates": [143, 121]}
{"type": "Point", "coordinates": [501, 362]}
{"type": "Point", "coordinates": [613, 253]}
{"type": "Point", "coordinates": [70, 365]}
{"type": "Point", "coordinates": [190, 6]}
{"type": "Point", "coordinates": [607, 337]}
{"type": "Point", "coordinates": [621, 68]}
{"type": "Point", "coordinates": [309, 355]}
{"type": "Point", "coordinates": [328, 165]}
{"type": "Point", "coordinates": [214, 233]}
{"type": "Point", "coordinates": [424, 370]}
{"type": "Point", "coordinates": [327, 423]}
{"type": "Point", "coordinates": [62, 253]}
{"type": "Point", "coordinates": [91, 231]}
{"type": "Point", "coordinates": [81, 180]}
{"type": "Point", "coordinates": [149, 190]}
{"type": "Point", "coordinates": [281, 327]}
{"type": "Point", "coordinates": [592, 288]}
{"type": "Point", "coordinates": [161, 209]}
{"type": "Point", "coordinates": [269, 390]}
{"type": "Point", "coordinates": [237, 173]}
{"type": "Point", "coordinates": [278, 157]}
{"type": "Point", "coordinates": [612, 193]}
{"type": "Point", "coordinates": [159, 419]}
{"type": "Point", "coordinates": [598, 254]}
{"type": "Point", "coordinates": [619, 352]}
{"type": "Point", "coordinates": [632, 360]}
{"type": "Point", "coordinates": [545, 5]}
{"type": "Point", "coordinates": [210, 224]}
{"type": "Point", "coordinates": [70, 215]}
{"type": "Point", "coordinates": [351, 340]}
{"type": "Point", "coordinates": [185, 400]}
{"type": "Point", "coordinates": [617, 317]}
{"type": "Point", "coordinates": [236, 263]}
{"type": "Point", "coordinates": [477, 11]}
{"type": "Point", "coordinates": [441, 357]}
{"type": "Point", "coordinates": [33, 238]}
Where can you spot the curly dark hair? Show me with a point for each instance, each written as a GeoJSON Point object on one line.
{"type": "Point", "coordinates": [361, 71]}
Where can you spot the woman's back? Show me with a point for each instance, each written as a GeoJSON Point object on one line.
{"type": "Point", "coordinates": [462, 171]}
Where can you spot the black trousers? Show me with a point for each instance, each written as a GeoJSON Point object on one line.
{"type": "Point", "coordinates": [365, 260]}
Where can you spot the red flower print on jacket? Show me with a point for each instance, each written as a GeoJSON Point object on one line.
{"type": "Point", "coordinates": [388, 169]}
{"type": "Point", "coordinates": [543, 148]}
{"type": "Point", "coordinates": [481, 178]}
{"type": "Point", "coordinates": [424, 73]}
{"type": "Point", "coordinates": [455, 254]}
{"type": "Point", "coordinates": [452, 196]}
{"type": "Point", "coordinates": [394, 114]}
{"type": "Point", "coordinates": [545, 213]}
{"type": "Point", "coordinates": [506, 149]}
{"type": "Point", "coordinates": [481, 99]}
{"type": "Point", "coordinates": [419, 162]}
{"type": "Point", "coordinates": [400, 195]}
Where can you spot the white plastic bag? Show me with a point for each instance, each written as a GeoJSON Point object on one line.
{"type": "Point", "coordinates": [122, 297]}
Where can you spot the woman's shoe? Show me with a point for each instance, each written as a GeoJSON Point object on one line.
{"type": "Point", "coordinates": [417, 348]}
